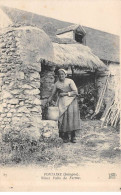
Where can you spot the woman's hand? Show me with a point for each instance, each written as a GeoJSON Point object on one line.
{"type": "Point", "coordinates": [63, 94]}
{"type": "Point", "coordinates": [72, 94]}
{"type": "Point", "coordinates": [48, 101]}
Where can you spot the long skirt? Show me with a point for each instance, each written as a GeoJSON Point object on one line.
{"type": "Point", "coordinates": [70, 119]}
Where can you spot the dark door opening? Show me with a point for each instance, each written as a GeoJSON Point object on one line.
{"type": "Point", "coordinates": [87, 91]}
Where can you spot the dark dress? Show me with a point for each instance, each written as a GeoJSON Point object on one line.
{"type": "Point", "coordinates": [69, 119]}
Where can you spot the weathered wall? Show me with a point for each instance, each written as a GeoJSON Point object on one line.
{"type": "Point", "coordinates": [20, 106]}
{"type": "Point", "coordinates": [47, 83]}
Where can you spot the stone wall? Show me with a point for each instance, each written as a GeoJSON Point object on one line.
{"type": "Point", "coordinates": [20, 106]}
{"type": "Point", "coordinates": [47, 82]}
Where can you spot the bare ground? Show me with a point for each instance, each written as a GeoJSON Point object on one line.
{"type": "Point", "coordinates": [94, 145]}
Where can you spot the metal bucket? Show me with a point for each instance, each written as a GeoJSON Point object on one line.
{"type": "Point", "coordinates": [53, 113]}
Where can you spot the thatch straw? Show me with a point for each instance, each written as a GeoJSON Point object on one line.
{"type": "Point", "coordinates": [112, 116]}
{"type": "Point", "coordinates": [76, 55]}
{"type": "Point", "coordinates": [71, 28]}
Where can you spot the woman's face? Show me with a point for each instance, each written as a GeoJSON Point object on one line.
{"type": "Point", "coordinates": [61, 75]}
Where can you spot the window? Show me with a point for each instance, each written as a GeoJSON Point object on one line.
{"type": "Point", "coordinates": [79, 37]}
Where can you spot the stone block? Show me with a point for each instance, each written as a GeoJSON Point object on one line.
{"type": "Point", "coordinates": [36, 109]}
{"type": "Point", "coordinates": [6, 94]}
{"type": "Point", "coordinates": [35, 84]}
{"type": "Point", "coordinates": [32, 91]}
{"type": "Point", "coordinates": [2, 126]}
{"type": "Point", "coordinates": [35, 66]}
{"type": "Point", "coordinates": [12, 110]}
{"type": "Point", "coordinates": [3, 45]}
{"type": "Point", "coordinates": [5, 119]}
{"type": "Point", "coordinates": [19, 114]}
{"type": "Point", "coordinates": [16, 120]}
{"type": "Point", "coordinates": [23, 109]}
{"type": "Point", "coordinates": [25, 119]}
{"type": "Point", "coordinates": [4, 50]}
{"type": "Point", "coordinates": [11, 84]}
{"type": "Point", "coordinates": [26, 86]}
{"type": "Point", "coordinates": [5, 110]}
{"type": "Point", "coordinates": [4, 105]}
{"type": "Point", "coordinates": [21, 103]}
{"type": "Point", "coordinates": [9, 120]}
{"type": "Point", "coordinates": [34, 76]}
{"type": "Point", "coordinates": [9, 115]}
{"type": "Point", "coordinates": [3, 115]}
{"type": "Point", "coordinates": [13, 49]}
{"type": "Point", "coordinates": [37, 101]}
{"type": "Point", "coordinates": [13, 101]}
{"type": "Point", "coordinates": [20, 75]}
{"type": "Point", "coordinates": [47, 134]}
{"type": "Point", "coordinates": [15, 91]}
{"type": "Point", "coordinates": [50, 129]}
{"type": "Point", "coordinates": [4, 100]}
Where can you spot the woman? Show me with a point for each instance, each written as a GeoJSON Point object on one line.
{"type": "Point", "coordinates": [69, 118]}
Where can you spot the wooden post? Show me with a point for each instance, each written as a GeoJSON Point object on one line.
{"type": "Point", "coordinates": [72, 72]}
{"type": "Point", "coordinates": [120, 133]}
{"type": "Point", "coordinates": [120, 110]}
{"type": "Point", "coordinates": [95, 83]}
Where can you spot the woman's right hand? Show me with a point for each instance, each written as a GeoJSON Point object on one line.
{"type": "Point", "coordinates": [48, 101]}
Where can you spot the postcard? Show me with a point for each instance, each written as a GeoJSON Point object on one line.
{"type": "Point", "coordinates": [60, 96]}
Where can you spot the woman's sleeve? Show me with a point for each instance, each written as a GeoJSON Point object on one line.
{"type": "Point", "coordinates": [73, 86]}
{"type": "Point", "coordinates": [53, 93]}
{"type": "Point", "coordinates": [54, 89]}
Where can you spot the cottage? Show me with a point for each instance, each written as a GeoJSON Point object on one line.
{"type": "Point", "coordinates": [22, 83]}
{"type": "Point", "coordinates": [80, 63]}
{"type": "Point", "coordinates": [106, 47]}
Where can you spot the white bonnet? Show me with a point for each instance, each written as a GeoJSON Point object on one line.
{"type": "Point", "coordinates": [63, 71]}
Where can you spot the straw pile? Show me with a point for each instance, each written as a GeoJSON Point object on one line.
{"type": "Point", "coordinates": [76, 55]}
{"type": "Point", "coordinates": [112, 116]}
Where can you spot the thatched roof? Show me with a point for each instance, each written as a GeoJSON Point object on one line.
{"type": "Point", "coordinates": [76, 55]}
{"type": "Point", "coordinates": [55, 39]}
{"type": "Point", "coordinates": [103, 44]}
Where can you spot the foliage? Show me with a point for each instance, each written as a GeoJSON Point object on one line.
{"type": "Point", "coordinates": [86, 99]}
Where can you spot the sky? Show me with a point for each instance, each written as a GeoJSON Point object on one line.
{"type": "Point", "coordinates": [99, 14]}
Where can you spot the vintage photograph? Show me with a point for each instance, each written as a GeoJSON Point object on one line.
{"type": "Point", "coordinates": [60, 95]}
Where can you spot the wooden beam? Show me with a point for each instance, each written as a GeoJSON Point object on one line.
{"type": "Point", "coordinates": [72, 69]}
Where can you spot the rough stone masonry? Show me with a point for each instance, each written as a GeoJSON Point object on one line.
{"type": "Point", "coordinates": [21, 49]}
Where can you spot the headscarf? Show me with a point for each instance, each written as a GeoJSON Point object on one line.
{"type": "Point", "coordinates": [63, 71]}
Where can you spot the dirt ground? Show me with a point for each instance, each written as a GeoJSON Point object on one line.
{"type": "Point", "coordinates": [94, 145]}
